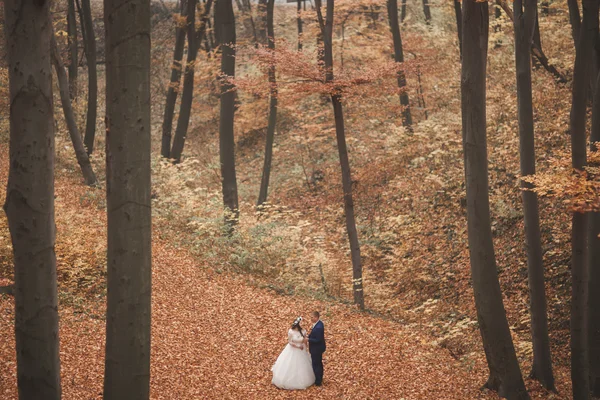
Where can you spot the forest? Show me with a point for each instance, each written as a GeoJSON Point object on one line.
{"type": "Point", "coordinates": [182, 179]}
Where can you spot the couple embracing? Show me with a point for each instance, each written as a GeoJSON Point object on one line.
{"type": "Point", "coordinates": [300, 364]}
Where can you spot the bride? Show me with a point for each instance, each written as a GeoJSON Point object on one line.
{"type": "Point", "coordinates": [293, 368]}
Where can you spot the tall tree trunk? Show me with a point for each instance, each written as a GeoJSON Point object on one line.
{"type": "Point", "coordinates": [525, 23]}
{"type": "Point", "coordinates": [505, 375]}
{"type": "Point", "coordinates": [340, 134]}
{"type": "Point", "coordinates": [89, 39]}
{"type": "Point", "coordinates": [188, 84]}
{"type": "Point", "coordinates": [579, 270]}
{"type": "Point", "coordinates": [225, 34]}
{"type": "Point", "coordinates": [73, 57]}
{"type": "Point", "coordinates": [403, 12]}
{"type": "Point", "coordinates": [262, 22]}
{"type": "Point", "coordinates": [264, 184]}
{"type": "Point", "coordinates": [173, 89]}
{"type": "Point", "coordinates": [575, 20]}
{"type": "Point", "coordinates": [427, 11]}
{"type": "Point", "coordinates": [128, 188]}
{"type": "Point", "coordinates": [29, 203]}
{"type": "Point", "coordinates": [594, 263]}
{"type": "Point", "coordinates": [63, 86]}
{"type": "Point", "coordinates": [299, 20]}
{"type": "Point", "coordinates": [458, 13]}
{"type": "Point", "coordinates": [392, 6]}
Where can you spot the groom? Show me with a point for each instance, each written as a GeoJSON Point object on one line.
{"type": "Point", "coordinates": [316, 341]}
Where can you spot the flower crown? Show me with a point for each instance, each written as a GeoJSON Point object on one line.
{"type": "Point", "coordinates": [297, 321]}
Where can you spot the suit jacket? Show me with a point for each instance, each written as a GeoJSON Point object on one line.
{"type": "Point", "coordinates": [316, 339]}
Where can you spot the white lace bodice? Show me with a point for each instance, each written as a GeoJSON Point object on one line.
{"type": "Point", "coordinates": [294, 337]}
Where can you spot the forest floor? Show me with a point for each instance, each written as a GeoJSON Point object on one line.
{"type": "Point", "coordinates": [216, 336]}
{"type": "Point", "coordinates": [222, 306]}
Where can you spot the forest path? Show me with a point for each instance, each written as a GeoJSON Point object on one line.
{"type": "Point", "coordinates": [215, 336]}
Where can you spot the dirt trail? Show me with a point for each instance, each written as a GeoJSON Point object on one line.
{"type": "Point", "coordinates": [215, 336]}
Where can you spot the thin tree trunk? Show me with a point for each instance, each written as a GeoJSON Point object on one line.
{"type": "Point", "coordinates": [74, 58]}
{"type": "Point", "coordinates": [505, 375]}
{"type": "Point", "coordinates": [128, 188]}
{"type": "Point", "coordinates": [90, 52]}
{"type": "Point", "coordinates": [187, 95]}
{"type": "Point", "coordinates": [458, 13]}
{"type": "Point", "coordinates": [29, 202]}
{"type": "Point", "coordinates": [173, 90]}
{"type": "Point", "coordinates": [225, 34]}
{"type": "Point", "coordinates": [579, 270]}
{"type": "Point", "coordinates": [524, 26]}
{"type": "Point", "coordinates": [63, 86]}
{"type": "Point", "coordinates": [264, 184]}
{"type": "Point", "coordinates": [575, 20]}
{"type": "Point", "coordinates": [403, 12]}
{"type": "Point", "coordinates": [594, 264]}
{"type": "Point", "coordinates": [262, 19]}
{"type": "Point", "coordinates": [299, 20]}
{"type": "Point", "coordinates": [340, 134]}
{"type": "Point", "coordinates": [392, 6]}
{"type": "Point", "coordinates": [427, 11]}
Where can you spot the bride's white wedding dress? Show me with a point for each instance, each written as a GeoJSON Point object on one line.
{"type": "Point", "coordinates": [293, 368]}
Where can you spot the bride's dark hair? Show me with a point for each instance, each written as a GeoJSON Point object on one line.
{"type": "Point", "coordinates": [296, 325]}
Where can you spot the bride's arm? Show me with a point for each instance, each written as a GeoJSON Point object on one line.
{"type": "Point", "coordinates": [292, 342]}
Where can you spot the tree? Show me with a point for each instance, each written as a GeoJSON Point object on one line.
{"type": "Point", "coordinates": [188, 84]}
{"type": "Point", "coordinates": [579, 271]}
{"type": "Point", "coordinates": [326, 26]}
{"type": "Point", "coordinates": [594, 263]}
{"type": "Point", "coordinates": [403, 12]}
{"type": "Point", "coordinates": [174, 83]}
{"type": "Point", "coordinates": [225, 36]}
{"type": "Point", "coordinates": [505, 375]}
{"type": "Point", "coordinates": [525, 16]}
{"type": "Point", "coordinates": [299, 20]}
{"type": "Point", "coordinates": [264, 183]}
{"type": "Point", "coordinates": [29, 202]}
{"type": "Point", "coordinates": [427, 11]}
{"type": "Point", "coordinates": [575, 20]}
{"type": "Point", "coordinates": [458, 14]}
{"type": "Point", "coordinates": [128, 145]}
{"type": "Point", "coordinates": [63, 86]}
{"type": "Point", "coordinates": [74, 58]}
{"type": "Point", "coordinates": [392, 6]}
{"type": "Point", "coordinates": [89, 39]}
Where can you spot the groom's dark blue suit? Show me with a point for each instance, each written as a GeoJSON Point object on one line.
{"type": "Point", "coordinates": [316, 340]}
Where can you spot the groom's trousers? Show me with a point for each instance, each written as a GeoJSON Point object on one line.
{"type": "Point", "coordinates": [317, 365]}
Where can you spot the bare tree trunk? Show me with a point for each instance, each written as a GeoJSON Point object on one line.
{"type": "Point", "coordinates": [128, 188]}
{"type": "Point", "coordinates": [74, 58]}
{"type": "Point", "coordinates": [392, 6]}
{"type": "Point", "coordinates": [505, 375]}
{"type": "Point", "coordinates": [225, 34]}
{"type": "Point", "coordinates": [89, 39]}
{"type": "Point", "coordinates": [579, 270]}
{"type": "Point", "coordinates": [173, 88]}
{"type": "Point", "coordinates": [458, 13]}
{"type": "Point", "coordinates": [262, 22]}
{"type": "Point", "coordinates": [264, 184]}
{"type": "Point", "coordinates": [594, 263]}
{"type": "Point", "coordinates": [575, 20]}
{"type": "Point", "coordinates": [427, 11]}
{"type": "Point", "coordinates": [403, 12]}
{"type": "Point", "coordinates": [299, 20]}
{"type": "Point", "coordinates": [340, 134]}
{"type": "Point", "coordinates": [187, 96]}
{"type": "Point", "coordinates": [524, 25]}
{"type": "Point", "coordinates": [29, 203]}
{"type": "Point", "coordinates": [82, 158]}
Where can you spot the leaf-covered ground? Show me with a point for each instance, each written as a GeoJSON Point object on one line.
{"type": "Point", "coordinates": [215, 336]}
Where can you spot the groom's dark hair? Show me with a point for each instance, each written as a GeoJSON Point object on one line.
{"type": "Point", "coordinates": [316, 314]}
